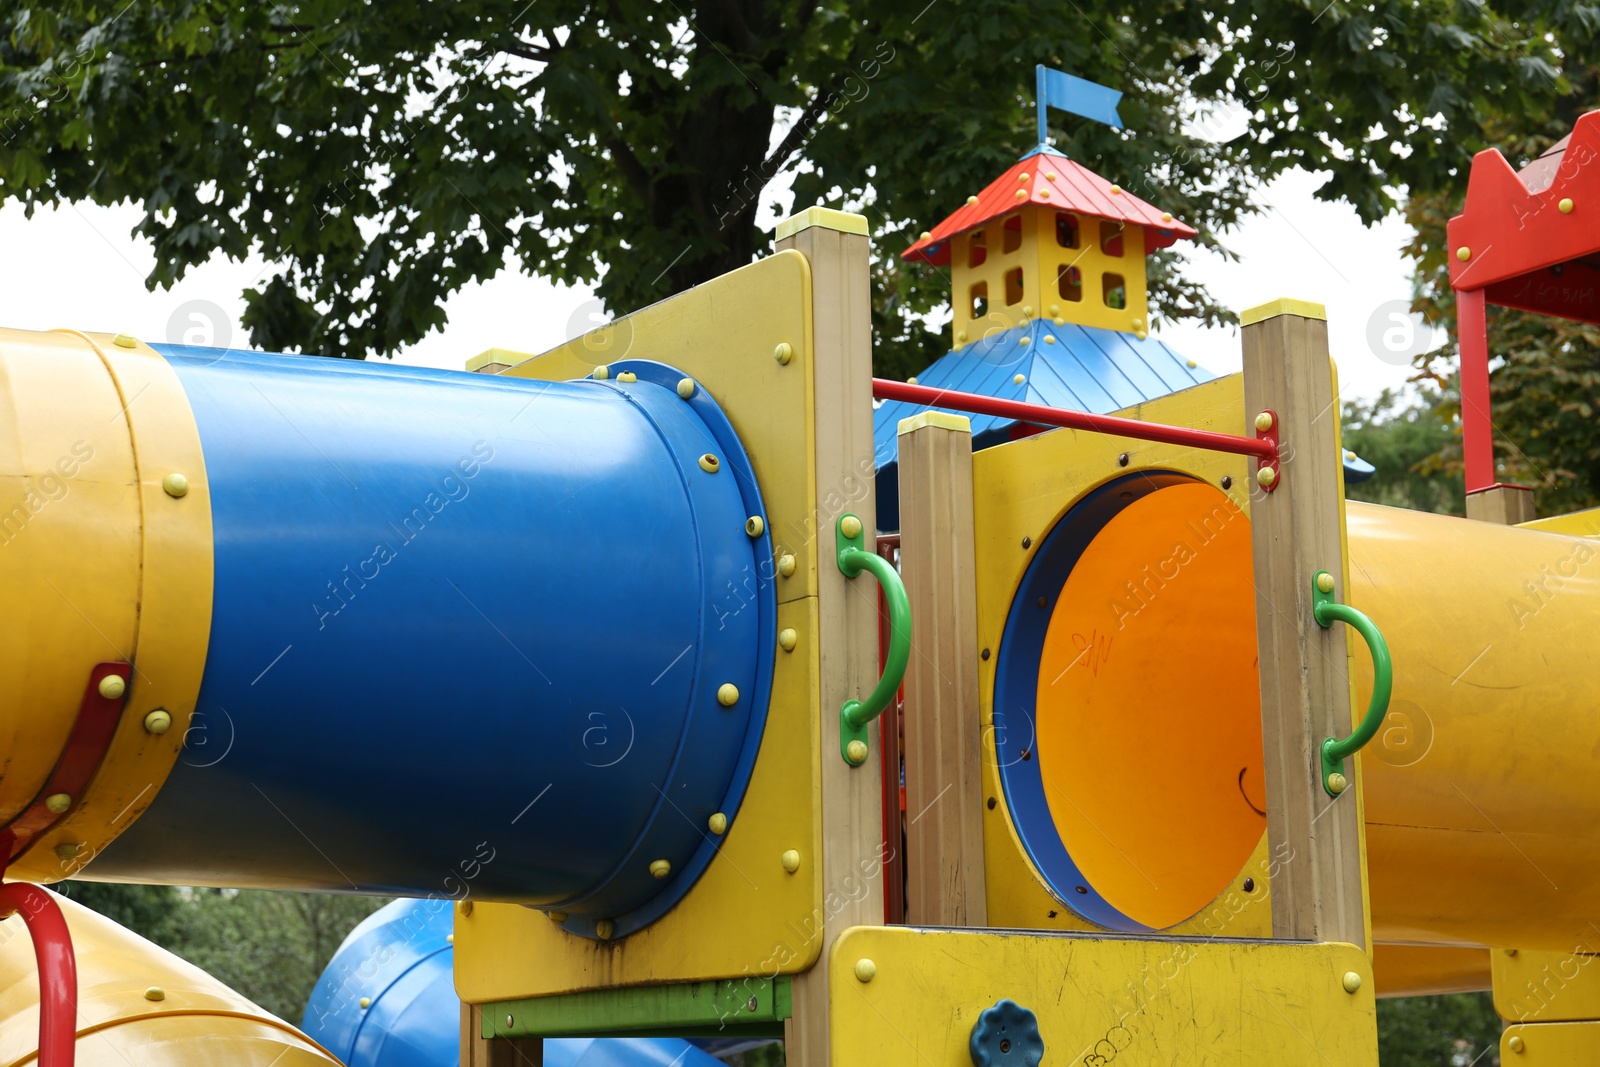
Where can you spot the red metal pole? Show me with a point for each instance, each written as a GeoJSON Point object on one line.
{"type": "Point", "coordinates": [58, 970]}
{"type": "Point", "coordinates": [884, 389]}
{"type": "Point", "coordinates": [1477, 427]}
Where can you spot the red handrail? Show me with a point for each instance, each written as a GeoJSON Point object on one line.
{"type": "Point", "coordinates": [58, 970]}
{"type": "Point", "coordinates": [1264, 449]}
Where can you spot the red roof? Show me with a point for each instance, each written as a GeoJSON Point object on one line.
{"type": "Point", "coordinates": [1531, 239]}
{"type": "Point", "coordinates": [1050, 179]}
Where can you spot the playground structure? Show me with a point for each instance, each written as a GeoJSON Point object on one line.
{"type": "Point", "coordinates": [588, 645]}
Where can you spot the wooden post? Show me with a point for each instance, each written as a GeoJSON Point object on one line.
{"type": "Point", "coordinates": [836, 245]}
{"type": "Point", "coordinates": [1507, 505]}
{"type": "Point", "coordinates": [1318, 879]}
{"type": "Point", "coordinates": [480, 1051]}
{"type": "Point", "coordinates": [944, 801]}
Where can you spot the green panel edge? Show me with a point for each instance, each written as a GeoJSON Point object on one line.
{"type": "Point", "coordinates": [753, 1007]}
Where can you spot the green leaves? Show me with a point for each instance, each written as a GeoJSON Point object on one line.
{"type": "Point", "coordinates": [383, 156]}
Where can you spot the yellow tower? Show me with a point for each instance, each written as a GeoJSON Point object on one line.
{"type": "Point", "coordinates": [1048, 239]}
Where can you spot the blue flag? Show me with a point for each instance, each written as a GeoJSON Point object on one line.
{"type": "Point", "coordinates": [1063, 91]}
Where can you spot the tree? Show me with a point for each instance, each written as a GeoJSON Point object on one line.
{"type": "Point", "coordinates": [1402, 443]}
{"type": "Point", "coordinates": [381, 156]}
{"type": "Point", "coordinates": [1455, 1030]}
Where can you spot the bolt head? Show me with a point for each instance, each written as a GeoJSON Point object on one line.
{"type": "Point", "coordinates": [755, 526]}
{"type": "Point", "coordinates": [1266, 476]}
{"type": "Point", "coordinates": [557, 917]}
{"type": "Point", "coordinates": [175, 484]}
{"type": "Point", "coordinates": [1116, 190]}
{"type": "Point", "coordinates": [1264, 421]}
{"type": "Point", "coordinates": [718, 824]}
{"type": "Point", "coordinates": [783, 353]}
{"type": "Point", "coordinates": [866, 970]}
{"type": "Point", "coordinates": [787, 639]}
{"type": "Point", "coordinates": [1324, 582]}
{"type": "Point", "coordinates": [1351, 981]}
{"type": "Point", "coordinates": [463, 907]}
{"type": "Point", "coordinates": [911, 380]}
{"type": "Point", "coordinates": [790, 860]}
{"type": "Point", "coordinates": [972, 200]}
{"type": "Point", "coordinates": [786, 565]}
{"type": "Point", "coordinates": [660, 869]}
{"type": "Point", "coordinates": [856, 753]}
{"type": "Point", "coordinates": [850, 526]}
{"type": "Point", "coordinates": [366, 1002]}
{"type": "Point", "coordinates": [1018, 379]}
{"type": "Point", "coordinates": [686, 387]}
{"type": "Point", "coordinates": [710, 464]}
{"type": "Point", "coordinates": [158, 721]}
{"type": "Point", "coordinates": [68, 850]}
{"type": "Point", "coordinates": [123, 340]}
{"type": "Point", "coordinates": [1515, 1043]}
{"type": "Point", "coordinates": [112, 686]}
{"type": "Point", "coordinates": [1463, 253]}
{"type": "Point", "coordinates": [627, 377]}
{"type": "Point", "coordinates": [155, 992]}
{"type": "Point", "coordinates": [601, 373]}
{"type": "Point", "coordinates": [605, 929]}
{"type": "Point", "coordinates": [727, 694]}
{"type": "Point", "coordinates": [1565, 205]}
{"type": "Point", "coordinates": [56, 803]}
{"type": "Point", "coordinates": [1337, 782]}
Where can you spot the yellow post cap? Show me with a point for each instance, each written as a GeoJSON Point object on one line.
{"type": "Point", "coordinates": [942, 419]}
{"type": "Point", "coordinates": [826, 218]}
{"type": "Point", "coordinates": [1282, 306]}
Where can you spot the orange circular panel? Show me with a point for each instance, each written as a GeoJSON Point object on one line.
{"type": "Point", "coordinates": [1149, 731]}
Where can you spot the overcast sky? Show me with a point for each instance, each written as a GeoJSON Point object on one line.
{"type": "Point", "coordinates": [79, 267]}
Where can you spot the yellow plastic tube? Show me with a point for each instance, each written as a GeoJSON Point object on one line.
{"type": "Point", "coordinates": [139, 1004]}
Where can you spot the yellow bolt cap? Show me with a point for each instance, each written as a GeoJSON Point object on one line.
{"type": "Point", "coordinates": [972, 200]}
{"type": "Point", "coordinates": [464, 907]}
{"type": "Point", "coordinates": [961, 336]}
{"type": "Point", "coordinates": [856, 753]}
{"type": "Point", "coordinates": [1192, 364]}
{"type": "Point", "coordinates": [865, 970]}
{"type": "Point", "coordinates": [1116, 190]}
{"type": "Point", "coordinates": [1059, 321]}
{"type": "Point", "coordinates": [1336, 782]}
{"type": "Point", "coordinates": [790, 860]}
{"type": "Point", "coordinates": [1324, 582]}
{"type": "Point", "coordinates": [604, 929]}
{"type": "Point", "coordinates": [686, 387]}
{"type": "Point", "coordinates": [1264, 421]}
{"type": "Point", "coordinates": [786, 565]}
{"type": "Point", "coordinates": [450, 938]}
{"type": "Point", "coordinates": [602, 373]}
{"type": "Point", "coordinates": [158, 721]}
{"type": "Point", "coordinates": [911, 380]}
{"type": "Point", "coordinates": [1166, 216]}
{"type": "Point", "coordinates": [68, 850]}
{"type": "Point", "coordinates": [627, 377]}
{"type": "Point", "coordinates": [155, 992]}
{"type": "Point", "coordinates": [56, 803]}
{"type": "Point", "coordinates": [112, 686]}
{"type": "Point", "coordinates": [783, 353]}
{"type": "Point", "coordinates": [727, 694]}
{"type": "Point", "coordinates": [1515, 1043]}
{"type": "Point", "coordinates": [1027, 310]}
{"type": "Point", "coordinates": [755, 526]}
{"type": "Point", "coordinates": [366, 1002]}
{"type": "Point", "coordinates": [1463, 253]}
{"type": "Point", "coordinates": [1352, 981]}
{"type": "Point", "coordinates": [717, 824]}
{"type": "Point", "coordinates": [123, 340]}
{"type": "Point", "coordinates": [1022, 194]}
{"type": "Point", "coordinates": [1055, 309]}
{"type": "Point", "coordinates": [850, 526]}
{"type": "Point", "coordinates": [1050, 174]}
{"type": "Point", "coordinates": [1018, 379]}
{"type": "Point", "coordinates": [926, 235]}
{"type": "Point", "coordinates": [557, 916]}
{"type": "Point", "coordinates": [1565, 205]}
{"type": "Point", "coordinates": [175, 484]}
{"type": "Point", "coordinates": [1025, 340]}
{"type": "Point", "coordinates": [1024, 176]}
{"type": "Point", "coordinates": [787, 639]}
{"type": "Point", "coordinates": [1266, 476]}
{"type": "Point", "coordinates": [660, 869]}
{"type": "Point", "coordinates": [710, 464]}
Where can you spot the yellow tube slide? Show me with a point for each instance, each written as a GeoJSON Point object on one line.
{"type": "Point", "coordinates": [139, 1004]}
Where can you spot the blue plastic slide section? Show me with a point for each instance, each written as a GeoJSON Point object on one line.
{"type": "Point", "coordinates": [467, 637]}
{"type": "Point", "coordinates": [399, 959]}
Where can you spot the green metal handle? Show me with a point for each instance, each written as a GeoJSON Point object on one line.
{"type": "Point", "coordinates": [1327, 611]}
{"type": "Point", "coordinates": [857, 715]}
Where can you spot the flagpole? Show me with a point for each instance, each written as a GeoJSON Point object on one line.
{"type": "Point", "coordinates": [1038, 97]}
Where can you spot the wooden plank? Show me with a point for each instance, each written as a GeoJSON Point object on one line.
{"type": "Point", "coordinates": [1509, 505]}
{"type": "Point", "coordinates": [480, 1051]}
{"type": "Point", "coordinates": [851, 862]}
{"type": "Point", "coordinates": [1319, 883]}
{"type": "Point", "coordinates": [944, 776]}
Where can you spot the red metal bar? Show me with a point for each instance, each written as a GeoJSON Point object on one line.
{"type": "Point", "coordinates": [1264, 450]}
{"type": "Point", "coordinates": [1477, 426]}
{"type": "Point", "coordinates": [58, 970]}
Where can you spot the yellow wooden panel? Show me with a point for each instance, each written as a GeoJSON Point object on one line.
{"type": "Point", "coordinates": [1551, 1045]}
{"type": "Point", "coordinates": [1021, 490]}
{"type": "Point", "coordinates": [1536, 986]}
{"type": "Point", "coordinates": [1101, 1001]}
{"type": "Point", "coordinates": [746, 915]}
{"type": "Point", "coordinates": [1585, 523]}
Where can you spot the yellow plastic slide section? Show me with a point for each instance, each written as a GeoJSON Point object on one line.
{"type": "Point", "coordinates": [140, 1005]}
{"type": "Point", "coordinates": [1140, 690]}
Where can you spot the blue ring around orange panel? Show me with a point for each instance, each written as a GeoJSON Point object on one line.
{"type": "Point", "coordinates": [1016, 689]}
